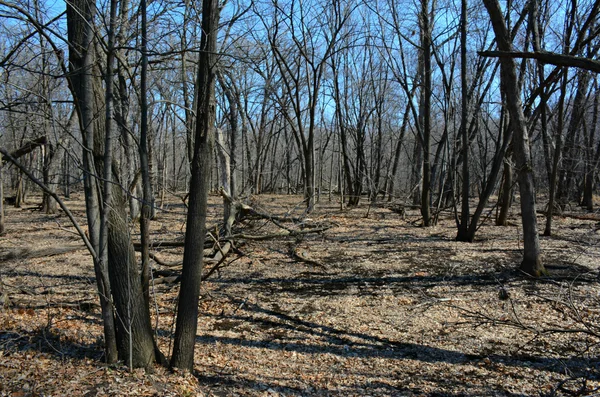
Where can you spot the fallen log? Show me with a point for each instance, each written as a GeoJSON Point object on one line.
{"type": "Point", "coordinates": [28, 252]}
{"type": "Point", "coordinates": [588, 217]}
{"type": "Point", "coordinates": [218, 259]}
{"type": "Point", "coordinates": [285, 233]}
{"type": "Point", "coordinates": [241, 210]}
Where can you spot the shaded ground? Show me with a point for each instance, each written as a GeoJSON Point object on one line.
{"type": "Point", "coordinates": [387, 309]}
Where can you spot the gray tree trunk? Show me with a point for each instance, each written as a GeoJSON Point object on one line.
{"type": "Point", "coordinates": [80, 20]}
{"type": "Point", "coordinates": [532, 258]}
{"type": "Point", "coordinates": [119, 277]}
{"type": "Point", "coordinates": [556, 156]}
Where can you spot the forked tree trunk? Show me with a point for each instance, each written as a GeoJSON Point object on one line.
{"type": "Point", "coordinates": [80, 20]}
{"type": "Point", "coordinates": [532, 258]}
{"type": "Point", "coordinates": [135, 337]}
{"type": "Point", "coordinates": [120, 276]}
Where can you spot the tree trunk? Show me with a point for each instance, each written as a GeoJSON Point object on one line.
{"type": "Point", "coordinates": [134, 329]}
{"type": "Point", "coordinates": [48, 203]}
{"type": "Point", "coordinates": [505, 193]}
{"type": "Point", "coordinates": [145, 163]}
{"type": "Point", "coordinates": [463, 228]}
{"type": "Point", "coordinates": [591, 163]}
{"type": "Point", "coordinates": [425, 112]}
{"type": "Point", "coordinates": [66, 172]}
{"type": "Point", "coordinates": [80, 22]}
{"type": "Point", "coordinates": [565, 193]}
{"type": "Point", "coordinates": [556, 156]}
{"type": "Point", "coordinates": [19, 191]}
{"type": "Point", "coordinates": [532, 258]}
{"type": "Point", "coordinates": [118, 277]}
{"type": "Point", "coordinates": [187, 312]}
{"type": "Point", "coordinates": [2, 227]}
{"type": "Point", "coordinates": [397, 151]}
{"type": "Point", "coordinates": [225, 174]}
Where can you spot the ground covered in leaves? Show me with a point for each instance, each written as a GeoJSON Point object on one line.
{"type": "Point", "coordinates": [380, 307]}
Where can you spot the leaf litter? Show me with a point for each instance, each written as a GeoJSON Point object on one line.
{"type": "Point", "coordinates": [394, 310]}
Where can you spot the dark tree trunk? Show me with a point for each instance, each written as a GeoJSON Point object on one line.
{"type": "Point", "coordinates": [425, 113]}
{"type": "Point", "coordinates": [134, 329]}
{"type": "Point", "coordinates": [187, 313]}
{"type": "Point", "coordinates": [145, 160]}
{"type": "Point", "coordinates": [505, 193]}
{"type": "Point", "coordinates": [66, 172]}
{"type": "Point", "coordinates": [48, 203]}
{"type": "Point", "coordinates": [463, 228]}
{"type": "Point", "coordinates": [2, 227]}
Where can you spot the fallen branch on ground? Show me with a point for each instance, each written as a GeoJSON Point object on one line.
{"type": "Point", "coordinates": [28, 252]}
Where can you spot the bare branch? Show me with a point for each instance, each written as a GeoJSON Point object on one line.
{"type": "Point", "coordinates": [548, 57]}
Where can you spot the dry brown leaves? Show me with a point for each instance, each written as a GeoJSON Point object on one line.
{"type": "Point", "coordinates": [395, 310]}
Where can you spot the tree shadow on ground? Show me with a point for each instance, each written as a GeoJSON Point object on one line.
{"type": "Point", "coordinates": [225, 384]}
{"type": "Point", "coordinates": [49, 341]}
{"type": "Point", "coordinates": [361, 345]}
{"type": "Point", "coordinates": [309, 284]}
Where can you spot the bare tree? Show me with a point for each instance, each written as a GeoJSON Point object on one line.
{"type": "Point", "coordinates": [117, 273]}
{"type": "Point", "coordinates": [532, 258]}
{"type": "Point", "coordinates": [189, 293]}
{"type": "Point", "coordinates": [302, 40]}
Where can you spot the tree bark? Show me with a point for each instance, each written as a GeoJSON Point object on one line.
{"type": "Point", "coordinates": [80, 25]}
{"type": "Point", "coordinates": [2, 227]}
{"type": "Point", "coordinates": [556, 156]}
{"type": "Point", "coordinates": [48, 203]}
{"type": "Point", "coordinates": [118, 276]}
{"type": "Point", "coordinates": [506, 193]}
{"type": "Point", "coordinates": [591, 160]}
{"type": "Point", "coordinates": [187, 312]}
{"type": "Point", "coordinates": [463, 228]}
{"type": "Point", "coordinates": [570, 148]}
{"type": "Point", "coordinates": [532, 258]}
{"type": "Point", "coordinates": [425, 113]}
{"type": "Point", "coordinates": [147, 197]}
{"type": "Point", "coordinates": [548, 58]}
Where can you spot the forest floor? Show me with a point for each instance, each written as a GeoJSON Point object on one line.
{"type": "Point", "coordinates": [384, 308]}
